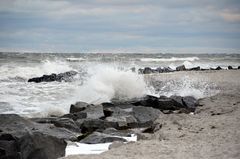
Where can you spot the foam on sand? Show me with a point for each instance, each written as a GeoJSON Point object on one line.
{"type": "Point", "coordinates": [77, 148]}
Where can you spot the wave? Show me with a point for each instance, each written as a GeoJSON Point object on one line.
{"type": "Point", "coordinates": [75, 59]}
{"type": "Point", "coordinates": [107, 82]}
{"type": "Point", "coordinates": [172, 59]}
{"type": "Point", "coordinates": [12, 70]}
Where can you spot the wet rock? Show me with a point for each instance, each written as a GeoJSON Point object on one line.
{"type": "Point", "coordinates": [238, 67]}
{"type": "Point", "coordinates": [218, 68]}
{"type": "Point", "coordinates": [75, 116]}
{"type": "Point", "coordinates": [66, 76]}
{"type": "Point", "coordinates": [82, 110]}
{"type": "Point", "coordinates": [22, 138]}
{"type": "Point", "coordinates": [195, 68]}
{"type": "Point", "coordinates": [230, 67]}
{"type": "Point", "coordinates": [96, 138]}
{"type": "Point", "coordinates": [140, 71]}
{"type": "Point", "coordinates": [181, 68]}
{"type": "Point", "coordinates": [91, 125]}
{"type": "Point", "coordinates": [164, 69]}
{"type": "Point", "coordinates": [78, 106]}
{"type": "Point", "coordinates": [133, 69]}
{"type": "Point", "coordinates": [67, 123]}
{"type": "Point", "coordinates": [147, 70]}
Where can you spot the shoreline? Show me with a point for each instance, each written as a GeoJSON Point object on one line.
{"type": "Point", "coordinates": [212, 132]}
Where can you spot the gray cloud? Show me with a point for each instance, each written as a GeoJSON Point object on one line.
{"type": "Point", "coordinates": [152, 25]}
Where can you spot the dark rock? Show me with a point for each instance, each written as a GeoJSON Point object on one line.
{"type": "Point", "coordinates": [90, 125]}
{"type": "Point", "coordinates": [140, 71]}
{"type": "Point", "coordinates": [22, 138]}
{"type": "Point", "coordinates": [195, 68]}
{"type": "Point", "coordinates": [96, 138]}
{"type": "Point", "coordinates": [190, 102]}
{"type": "Point", "coordinates": [115, 132]}
{"type": "Point", "coordinates": [75, 116]}
{"type": "Point", "coordinates": [77, 107]}
{"type": "Point", "coordinates": [181, 68]}
{"type": "Point", "coordinates": [218, 68]}
{"type": "Point", "coordinates": [94, 111]}
{"type": "Point", "coordinates": [147, 70]}
{"type": "Point", "coordinates": [145, 115]}
{"type": "Point", "coordinates": [164, 69]}
{"type": "Point", "coordinates": [67, 123]}
{"type": "Point", "coordinates": [66, 76]}
{"type": "Point", "coordinates": [153, 128]}
{"type": "Point", "coordinates": [133, 69]}
{"type": "Point", "coordinates": [230, 67]}
{"type": "Point", "coordinates": [238, 67]}
{"type": "Point", "coordinates": [162, 103]}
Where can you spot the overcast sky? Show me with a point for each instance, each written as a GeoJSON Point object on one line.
{"type": "Point", "coordinates": [181, 26]}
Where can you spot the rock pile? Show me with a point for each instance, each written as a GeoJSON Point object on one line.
{"type": "Point", "coordinates": [37, 138]}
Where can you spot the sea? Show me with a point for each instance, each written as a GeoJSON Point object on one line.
{"type": "Point", "coordinates": [101, 78]}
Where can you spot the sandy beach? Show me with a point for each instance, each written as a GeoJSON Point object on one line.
{"type": "Point", "coordinates": [212, 132]}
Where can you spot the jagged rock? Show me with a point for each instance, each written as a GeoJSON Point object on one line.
{"type": "Point", "coordinates": [96, 138]}
{"type": "Point", "coordinates": [218, 68]}
{"type": "Point", "coordinates": [195, 68]}
{"type": "Point", "coordinates": [91, 111]}
{"type": "Point", "coordinates": [22, 138]}
{"type": "Point", "coordinates": [78, 106]}
{"type": "Point", "coordinates": [67, 123]}
{"type": "Point", "coordinates": [188, 102]}
{"type": "Point", "coordinates": [147, 70]}
{"type": "Point", "coordinates": [66, 76]}
{"type": "Point", "coordinates": [145, 115]}
{"type": "Point", "coordinates": [230, 67]}
{"type": "Point", "coordinates": [75, 116]}
{"type": "Point", "coordinates": [181, 68]}
{"type": "Point", "coordinates": [140, 71]}
{"type": "Point", "coordinates": [164, 69]}
{"type": "Point", "coordinates": [161, 103]}
{"type": "Point", "coordinates": [90, 125]}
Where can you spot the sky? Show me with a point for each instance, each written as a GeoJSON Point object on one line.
{"type": "Point", "coordinates": [114, 26]}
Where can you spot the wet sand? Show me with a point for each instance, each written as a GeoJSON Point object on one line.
{"type": "Point", "coordinates": [212, 132]}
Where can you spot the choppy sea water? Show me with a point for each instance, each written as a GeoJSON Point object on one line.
{"type": "Point", "coordinates": [101, 77]}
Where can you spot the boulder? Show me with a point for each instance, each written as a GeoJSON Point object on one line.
{"type": "Point", "coordinates": [22, 138]}
{"type": "Point", "coordinates": [189, 103]}
{"type": "Point", "coordinates": [147, 70]}
{"type": "Point", "coordinates": [66, 76]}
{"type": "Point", "coordinates": [162, 103]}
{"type": "Point", "coordinates": [238, 67]}
{"type": "Point", "coordinates": [91, 125]}
{"type": "Point", "coordinates": [230, 67]}
{"type": "Point", "coordinates": [195, 68]}
{"type": "Point", "coordinates": [218, 68]}
{"type": "Point", "coordinates": [84, 110]}
{"type": "Point", "coordinates": [75, 116]}
{"type": "Point", "coordinates": [181, 68]}
{"type": "Point", "coordinates": [78, 106]}
{"type": "Point", "coordinates": [145, 115]}
{"type": "Point", "coordinates": [67, 123]}
{"type": "Point", "coordinates": [140, 71]}
{"type": "Point", "coordinates": [164, 69]}
{"type": "Point", "coordinates": [97, 137]}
